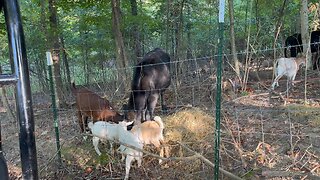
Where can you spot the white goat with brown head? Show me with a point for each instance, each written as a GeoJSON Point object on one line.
{"type": "Point", "coordinates": [102, 130]}
{"type": "Point", "coordinates": [288, 67]}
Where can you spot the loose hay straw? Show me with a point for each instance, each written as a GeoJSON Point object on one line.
{"type": "Point", "coordinates": [193, 127]}
{"type": "Point", "coordinates": [189, 125]}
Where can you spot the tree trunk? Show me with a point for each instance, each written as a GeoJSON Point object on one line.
{"type": "Point", "coordinates": [178, 12]}
{"type": "Point", "coordinates": [41, 64]}
{"type": "Point", "coordinates": [122, 61]}
{"type": "Point", "coordinates": [65, 63]}
{"type": "Point", "coordinates": [305, 31]}
{"type": "Point", "coordinates": [278, 28]}
{"type": "Point", "coordinates": [85, 58]}
{"type": "Point", "coordinates": [41, 73]}
{"type": "Point", "coordinates": [168, 25]}
{"type": "Point", "coordinates": [232, 40]}
{"type": "Point", "coordinates": [188, 29]}
{"type": "Point", "coordinates": [136, 31]}
{"type": "Point", "coordinates": [55, 52]}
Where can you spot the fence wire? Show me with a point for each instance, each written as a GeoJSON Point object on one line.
{"type": "Point", "coordinates": [260, 136]}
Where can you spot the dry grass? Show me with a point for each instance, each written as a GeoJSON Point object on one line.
{"type": "Point", "coordinates": [194, 128]}
{"type": "Point", "coordinates": [302, 113]}
{"type": "Point", "coordinates": [189, 125]}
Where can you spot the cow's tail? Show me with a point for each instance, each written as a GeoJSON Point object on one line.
{"type": "Point", "coordinates": [138, 76]}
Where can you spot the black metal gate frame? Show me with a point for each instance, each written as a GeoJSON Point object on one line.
{"type": "Point", "coordinates": [20, 78]}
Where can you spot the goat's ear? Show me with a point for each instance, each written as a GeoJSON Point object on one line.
{"type": "Point", "coordinates": [125, 123]}
{"type": "Point", "coordinates": [129, 123]}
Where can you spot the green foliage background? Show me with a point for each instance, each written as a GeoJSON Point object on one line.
{"type": "Point", "coordinates": [86, 26]}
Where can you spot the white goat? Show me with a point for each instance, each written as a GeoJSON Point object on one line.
{"type": "Point", "coordinates": [131, 139]}
{"type": "Point", "coordinates": [288, 67]}
{"type": "Point", "coordinates": [105, 130]}
{"type": "Point", "coordinates": [151, 132]}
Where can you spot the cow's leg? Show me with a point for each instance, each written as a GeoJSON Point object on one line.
{"type": "Point", "coordinates": [3, 167]}
{"type": "Point", "coordinates": [315, 60]}
{"type": "Point", "coordinates": [286, 51]}
{"type": "Point", "coordinates": [152, 102]}
{"type": "Point", "coordinates": [163, 104]}
{"type": "Point", "coordinates": [293, 51]}
{"type": "Point", "coordinates": [140, 104]}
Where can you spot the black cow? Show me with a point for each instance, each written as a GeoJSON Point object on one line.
{"type": "Point", "coordinates": [150, 79]}
{"type": "Point", "coordinates": [294, 44]}
{"type": "Point", "coordinates": [315, 40]}
{"type": "Point", "coordinates": [3, 167]}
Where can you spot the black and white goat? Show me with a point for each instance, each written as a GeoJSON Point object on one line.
{"type": "Point", "coordinates": [288, 67]}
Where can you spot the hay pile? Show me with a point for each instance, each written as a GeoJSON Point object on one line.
{"type": "Point", "coordinates": [189, 126]}
{"type": "Point", "coordinates": [194, 128]}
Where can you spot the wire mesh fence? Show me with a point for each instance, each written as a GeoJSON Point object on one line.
{"type": "Point", "coordinates": [261, 138]}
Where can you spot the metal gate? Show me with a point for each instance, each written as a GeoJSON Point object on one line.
{"type": "Point", "coordinates": [19, 78]}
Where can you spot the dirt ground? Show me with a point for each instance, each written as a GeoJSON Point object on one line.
{"type": "Point", "coordinates": [264, 135]}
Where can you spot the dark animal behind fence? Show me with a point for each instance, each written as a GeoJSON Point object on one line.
{"type": "Point", "coordinates": [150, 79]}
{"type": "Point", "coordinates": [91, 105]}
{"type": "Point", "coordinates": [294, 45]}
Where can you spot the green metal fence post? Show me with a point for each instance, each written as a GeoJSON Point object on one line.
{"type": "Point", "coordinates": [218, 93]}
{"type": "Point", "coordinates": [54, 105]}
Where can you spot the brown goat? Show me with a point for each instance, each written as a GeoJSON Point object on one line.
{"type": "Point", "coordinates": [90, 104]}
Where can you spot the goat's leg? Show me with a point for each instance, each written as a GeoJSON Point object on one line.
{"type": "Point", "coordinates": [292, 79]}
{"type": "Point", "coordinates": [157, 144]}
{"type": "Point", "coordinates": [85, 120]}
{"type": "Point", "coordinates": [85, 126]}
{"type": "Point", "coordinates": [111, 148]}
{"type": "Point", "coordinates": [275, 82]}
{"type": "Point", "coordinates": [128, 165]}
{"type": "Point", "coordinates": [288, 87]}
{"type": "Point", "coordinates": [80, 121]}
{"type": "Point", "coordinates": [139, 160]}
{"type": "Point", "coordinates": [95, 142]}
{"type": "Point", "coordinates": [121, 149]}
{"type": "Point", "coordinates": [161, 154]}
{"type": "Point", "coordinates": [291, 82]}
